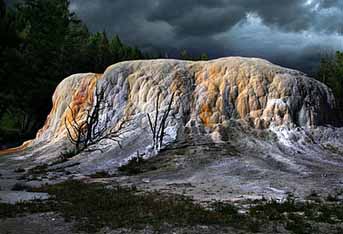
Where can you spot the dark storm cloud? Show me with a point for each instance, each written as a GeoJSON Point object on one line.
{"type": "Point", "coordinates": [289, 32]}
{"type": "Point", "coordinates": [208, 17]}
{"type": "Point", "coordinates": [272, 29]}
{"type": "Point", "coordinates": [289, 15]}
{"type": "Point", "coordinates": [126, 18]}
{"type": "Point", "coordinates": [197, 18]}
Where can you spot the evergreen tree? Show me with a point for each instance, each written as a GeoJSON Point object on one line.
{"type": "Point", "coordinates": [116, 48]}
{"type": "Point", "coordinates": [9, 57]}
{"type": "Point", "coordinates": [203, 57]}
{"type": "Point", "coordinates": [41, 43]}
{"type": "Point", "coordinates": [184, 55]}
{"type": "Point", "coordinates": [331, 73]}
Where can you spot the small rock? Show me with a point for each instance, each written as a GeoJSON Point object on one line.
{"type": "Point", "coordinates": [146, 180]}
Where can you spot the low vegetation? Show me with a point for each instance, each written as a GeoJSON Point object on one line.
{"type": "Point", "coordinates": [134, 166]}
{"type": "Point", "coordinates": [101, 174]}
{"type": "Point", "coordinates": [19, 170]}
{"type": "Point", "coordinates": [298, 217]}
{"type": "Point", "coordinates": [66, 155]}
{"type": "Point", "coordinates": [21, 187]}
{"type": "Point", "coordinates": [94, 206]}
{"type": "Point", "coordinates": [11, 211]}
{"type": "Point", "coordinates": [39, 169]}
{"type": "Point", "coordinates": [137, 165]}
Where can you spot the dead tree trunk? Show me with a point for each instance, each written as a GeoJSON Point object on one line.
{"type": "Point", "coordinates": [163, 125]}
{"type": "Point", "coordinates": [87, 133]}
{"type": "Point", "coordinates": [158, 128]}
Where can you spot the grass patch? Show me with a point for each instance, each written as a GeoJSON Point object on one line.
{"type": "Point", "coordinates": [11, 211]}
{"type": "Point", "coordinates": [19, 170]}
{"type": "Point", "coordinates": [133, 166]}
{"type": "Point", "coordinates": [68, 154]}
{"type": "Point", "coordinates": [40, 169]}
{"type": "Point", "coordinates": [21, 187]}
{"type": "Point", "coordinates": [101, 174]}
{"type": "Point", "coordinates": [338, 197]}
{"type": "Point", "coordinates": [298, 217]}
{"type": "Point", "coordinates": [94, 206]}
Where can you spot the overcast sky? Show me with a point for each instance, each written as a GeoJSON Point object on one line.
{"type": "Point", "coordinates": [288, 32]}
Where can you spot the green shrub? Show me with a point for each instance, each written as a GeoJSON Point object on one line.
{"type": "Point", "coordinates": [297, 225]}
{"type": "Point", "coordinates": [68, 154]}
{"type": "Point", "coordinates": [133, 166]}
{"type": "Point", "coordinates": [21, 187]}
{"type": "Point", "coordinates": [40, 169]}
{"type": "Point", "coordinates": [332, 198]}
{"type": "Point", "coordinates": [19, 170]}
{"type": "Point", "coordinates": [100, 174]}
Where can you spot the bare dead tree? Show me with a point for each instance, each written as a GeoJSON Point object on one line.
{"type": "Point", "coordinates": [158, 128]}
{"type": "Point", "coordinates": [87, 133]}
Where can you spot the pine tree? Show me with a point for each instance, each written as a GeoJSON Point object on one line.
{"type": "Point", "coordinates": [184, 55]}
{"type": "Point", "coordinates": [331, 73]}
{"type": "Point", "coordinates": [116, 48]}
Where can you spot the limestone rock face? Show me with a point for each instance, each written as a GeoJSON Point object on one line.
{"type": "Point", "coordinates": [207, 96]}
{"type": "Point", "coordinates": [74, 93]}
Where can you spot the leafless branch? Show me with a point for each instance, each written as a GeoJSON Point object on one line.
{"type": "Point", "coordinates": [158, 129]}
{"type": "Point", "coordinates": [86, 134]}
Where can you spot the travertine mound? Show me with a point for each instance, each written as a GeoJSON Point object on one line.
{"type": "Point", "coordinates": [239, 128]}
{"type": "Point", "coordinates": [207, 95]}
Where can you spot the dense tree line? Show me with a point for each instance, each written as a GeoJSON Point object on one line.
{"type": "Point", "coordinates": [331, 73]}
{"type": "Point", "coordinates": [41, 43]}
{"type": "Point", "coordinates": [185, 55]}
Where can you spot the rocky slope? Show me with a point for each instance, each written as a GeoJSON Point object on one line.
{"type": "Point", "coordinates": [241, 120]}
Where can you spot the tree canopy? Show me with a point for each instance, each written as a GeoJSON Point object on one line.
{"type": "Point", "coordinates": [41, 43]}
{"type": "Point", "coordinates": [187, 56]}
{"type": "Point", "coordinates": [331, 73]}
